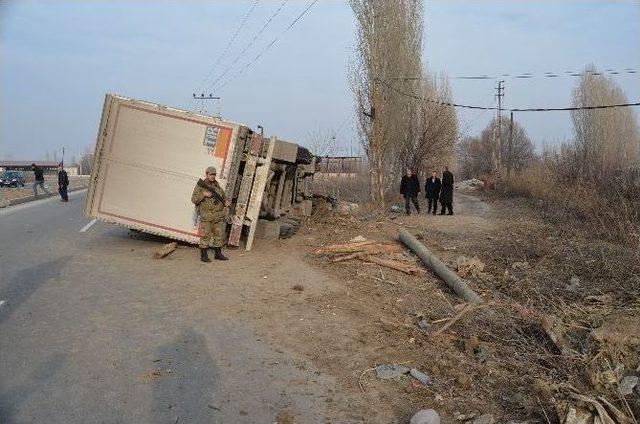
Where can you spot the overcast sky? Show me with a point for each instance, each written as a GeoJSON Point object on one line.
{"type": "Point", "coordinates": [59, 58]}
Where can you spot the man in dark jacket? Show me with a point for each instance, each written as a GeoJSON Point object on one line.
{"type": "Point", "coordinates": [63, 183]}
{"type": "Point", "coordinates": [410, 188]}
{"type": "Point", "coordinates": [446, 193]}
{"type": "Point", "coordinates": [432, 190]}
{"type": "Point", "coordinates": [39, 182]}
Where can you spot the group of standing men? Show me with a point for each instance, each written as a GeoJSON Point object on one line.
{"type": "Point", "coordinates": [63, 181]}
{"type": "Point", "coordinates": [435, 190]}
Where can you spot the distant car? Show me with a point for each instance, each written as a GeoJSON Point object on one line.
{"type": "Point", "coordinates": [12, 179]}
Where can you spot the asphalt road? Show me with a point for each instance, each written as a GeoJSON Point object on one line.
{"type": "Point", "coordinates": [92, 330]}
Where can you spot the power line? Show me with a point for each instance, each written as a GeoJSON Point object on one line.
{"type": "Point", "coordinates": [529, 75]}
{"type": "Point", "coordinates": [250, 44]}
{"type": "Point", "coordinates": [497, 149]}
{"type": "Point", "coordinates": [268, 46]}
{"type": "Point", "coordinates": [228, 46]}
{"type": "Point", "coordinates": [574, 108]}
{"type": "Point", "coordinates": [541, 109]}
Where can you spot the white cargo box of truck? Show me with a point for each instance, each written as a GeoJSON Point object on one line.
{"type": "Point", "coordinates": [148, 158]}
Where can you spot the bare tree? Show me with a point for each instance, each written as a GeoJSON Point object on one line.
{"type": "Point", "coordinates": [322, 142]}
{"type": "Point", "coordinates": [434, 127]}
{"type": "Point", "coordinates": [86, 161]}
{"type": "Point", "coordinates": [606, 140]}
{"type": "Point", "coordinates": [475, 153]}
{"type": "Point", "coordinates": [389, 42]}
{"type": "Point", "coordinates": [474, 157]}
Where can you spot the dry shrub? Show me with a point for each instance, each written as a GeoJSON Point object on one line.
{"type": "Point", "coordinates": [595, 177]}
{"type": "Point", "coordinates": [610, 208]}
{"type": "Point", "coordinates": [352, 187]}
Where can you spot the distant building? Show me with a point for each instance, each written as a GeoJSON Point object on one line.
{"type": "Point", "coordinates": [25, 165]}
{"type": "Point", "coordinates": [48, 166]}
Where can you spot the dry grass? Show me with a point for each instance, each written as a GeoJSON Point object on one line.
{"type": "Point", "coordinates": [500, 358]}
{"type": "Point", "coordinates": [352, 187]}
{"type": "Point", "coordinates": [610, 209]}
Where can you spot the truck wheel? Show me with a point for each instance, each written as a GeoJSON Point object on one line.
{"type": "Point", "coordinates": [287, 230]}
{"type": "Point", "coordinates": [292, 222]}
{"type": "Point", "coordinates": [304, 156]}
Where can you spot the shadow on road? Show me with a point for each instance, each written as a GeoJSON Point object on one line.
{"type": "Point", "coordinates": [186, 381]}
{"type": "Point", "coordinates": [26, 282]}
{"type": "Point", "coordinates": [11, 399]}
{"type": "Point", "coordinates": [124, 234]}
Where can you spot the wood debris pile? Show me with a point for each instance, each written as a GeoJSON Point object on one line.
{"type": "Point", "coordinates": [371, 252]}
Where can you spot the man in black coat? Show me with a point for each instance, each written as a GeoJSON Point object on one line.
{"type": "Point", "coordinates": [63, 183]}
{"type": "Point", "coordinates": [432, 190]}
{"type": "Point", "coordinates": [410, 188]}
{"type": "Point", "coordinates": [39, 180]}
{"type": "Point", "coordinates": [446, 193]}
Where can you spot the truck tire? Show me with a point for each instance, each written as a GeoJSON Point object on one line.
{"type": "Point", "coordinates": [292, 222]}
{"type": "Point", "coordinates": [287, 230]}
{"type": "Point", "coordinates": [304, 156]}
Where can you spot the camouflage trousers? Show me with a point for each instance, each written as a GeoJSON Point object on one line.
{"type": "Point", "coordinates": [212, 234]}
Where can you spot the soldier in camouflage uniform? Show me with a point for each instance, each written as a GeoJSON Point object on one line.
{"type": "Point", "coordinates": [210, 202]}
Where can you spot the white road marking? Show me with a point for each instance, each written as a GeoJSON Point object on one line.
{"type": "Point", "coordinates": [86, 227]}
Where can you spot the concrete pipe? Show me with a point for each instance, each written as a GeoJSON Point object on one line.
{"type": "Point", "coordinates": [452, 279]}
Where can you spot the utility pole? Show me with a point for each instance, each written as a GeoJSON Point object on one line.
{"type": "Point", "coordinates": [509, 158]}
{"type": "Point", "coordinates": [498, 137]}
{"type": "Point", "coordinates": [202, 98]}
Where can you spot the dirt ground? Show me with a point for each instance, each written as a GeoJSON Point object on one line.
{"type": "Point", "coordinates": [295, 337]}
{"type": "Point", "coordinates": [75, 182]}
{"type": "Point", "coordinates": [497, 359]}
{"type": "Point", "coordinates": [283, 334]}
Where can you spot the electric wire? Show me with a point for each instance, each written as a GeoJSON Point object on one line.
{"type": "Point", "coordinates": [250, 44]}
{"type": "Point", "coordinates": [537, 109]}
{"type": "Point", "coordinates": [529, 75]}
{"type": "Point", "coordinates": [228, 46]}
{"type": "Point", "coordinates": [268, 46]}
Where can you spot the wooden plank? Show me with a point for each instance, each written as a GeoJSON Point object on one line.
{"type": "Point", "coordinates": [165, 250]}
{"type": "Point", "coordinates": [348, 257]}
{"type": "Point", "coordinates": [397, 265]}
{"type": "Point", "coordinates": [343, 248]}
{"type": "Point", "coordinates": [467, 308]}
{"type": "Point", "coordinates": [371, 249]}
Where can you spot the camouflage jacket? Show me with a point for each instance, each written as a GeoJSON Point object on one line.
{"type": "Point", "coordinates": [209, 208]}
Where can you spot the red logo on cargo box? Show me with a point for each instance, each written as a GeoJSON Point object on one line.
{"type": "Point", "coordinates": [211, 138]}
{"type": "Point", "coordinates": [216, 141]}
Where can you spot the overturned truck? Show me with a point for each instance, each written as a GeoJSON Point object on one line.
{"type": "Point", "coordinates": [148, 158]}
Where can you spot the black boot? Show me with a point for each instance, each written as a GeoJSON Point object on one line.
{"type": "Point", "coordinates": [218, 254]}
{"type": "Point", "coordinates": [204, 257]}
